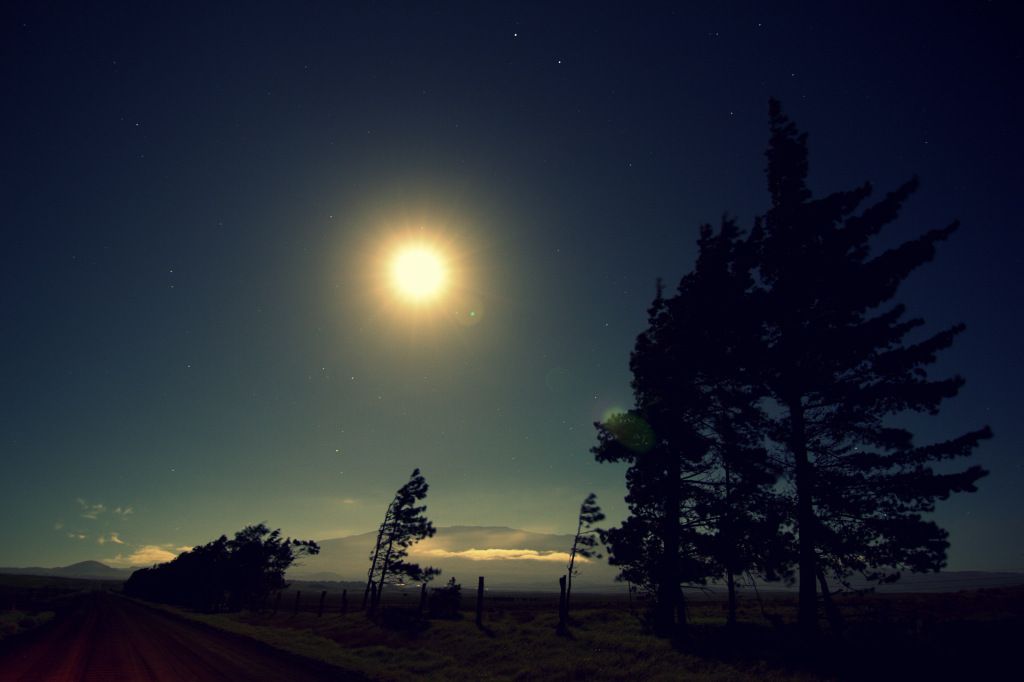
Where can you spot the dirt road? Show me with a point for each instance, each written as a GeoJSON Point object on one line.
{"type": "Point", "coordinates": [109, 639]}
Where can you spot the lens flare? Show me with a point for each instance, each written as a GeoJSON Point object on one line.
{"type": "Point", "coordinates": [630, 429]}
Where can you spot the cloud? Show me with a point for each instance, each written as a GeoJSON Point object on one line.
{"type": "Point", "coordinates": [124, 511]}
{"type": "Point", "coordinates": [501, 554]}
{"type": "Point", "coordinates": [90, 511]}
{"type": "Point", "coordinates": [77, 536]}
{"type": "Point", "coordinates": [58, 525]}
{"type": "Point", "coordinates": [112, 537]}
{"type": "Point", "coordinates": [146, 555]}
{"type": "Point", "coordinates": [348, 500]}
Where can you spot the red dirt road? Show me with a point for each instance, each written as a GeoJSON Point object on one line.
{"type": "Point", "coordinates": [109, 639]}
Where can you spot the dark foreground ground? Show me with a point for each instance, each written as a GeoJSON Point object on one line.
{"type": "Point", "coordinates": [108, 638]}
{"type": "Point", "coordinates": [84, 630]}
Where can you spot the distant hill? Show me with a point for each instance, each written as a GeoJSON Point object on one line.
{"type": "Point", "coordinates": [93, 570]}
{"type": "Point", "coordinates": [950, 581]}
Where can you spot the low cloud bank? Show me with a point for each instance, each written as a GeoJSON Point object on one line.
{"type": "Point", "coordinates": [500, 554]}
{"type": "Point", "coordinates": [147, 555]}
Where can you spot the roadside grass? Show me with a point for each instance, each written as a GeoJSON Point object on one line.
{"type": "Point", "coordinates": [14, 623]}
{"type": "Point", "coordinates": [30, 601]}
{"type": "Point", "coordinates": [517, 642]}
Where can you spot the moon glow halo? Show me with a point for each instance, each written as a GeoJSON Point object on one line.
{"type": "Point", "coordinates": [418, 273]}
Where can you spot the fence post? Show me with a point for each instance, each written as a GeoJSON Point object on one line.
{"type": "Point", "coordinates": [295, 609]}
{"type": "Point", "coordinates": [480, 601]}
{"type": "Point", "coordinates": [423, 597]}
{"type": "Point", "coordinates": [561, 604]}
{"type": "Point", "coordinates": [344, 602]}
{"type": "Point", "coordinates": [320, 610]}
{"type": "Point", "coordinates": [277, 601]}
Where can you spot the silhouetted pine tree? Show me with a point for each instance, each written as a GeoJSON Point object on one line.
{"type": "Point", "coordinates": [700, 498]}
{"type": "Point", "coordinates": [715, 319]}
{"type": "Point", "coordinates": [659, 544]}
{"type": "Point", "coordinates": [405, 524]}
{"type": "Point", "coordinates": [838, 363]}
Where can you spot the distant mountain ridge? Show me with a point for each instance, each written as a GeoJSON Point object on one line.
{"type": "Point", "coordinates": [91, 570]}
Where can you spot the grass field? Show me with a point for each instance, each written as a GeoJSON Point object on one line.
{"type": "Point", "coordinates": [28, 601]}
{"type": "Point", "coordinates": [936, 636]}
{"type": "Point", "coordinates": [14, 622]}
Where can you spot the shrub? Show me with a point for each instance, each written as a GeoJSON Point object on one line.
{"type": "Point", "coordinates": [444, 601]}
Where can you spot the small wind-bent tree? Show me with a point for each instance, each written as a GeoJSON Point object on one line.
{"type": "Point", "coordinates": [586, 540]}
{"type": "Point", "coordinates": [375, 556]}
{"type": "Point", "coordinates": [404, 525]}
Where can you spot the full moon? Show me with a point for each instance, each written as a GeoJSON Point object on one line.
{"type": "Point", "coordinates": [418, 273]}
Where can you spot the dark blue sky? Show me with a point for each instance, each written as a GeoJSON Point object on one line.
{"type": "Point", "coordinates": [197, 199]}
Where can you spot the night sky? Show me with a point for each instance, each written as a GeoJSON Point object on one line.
{"type": "Point", "coordinates": [199, 202]}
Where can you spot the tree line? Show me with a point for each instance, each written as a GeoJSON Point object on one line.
{"type": "Point", "coordinates": [223, 575]}
{"type": "Point", "coordinates": [766, 386]}
{"type": "Point", "coordinates": [241, 572]}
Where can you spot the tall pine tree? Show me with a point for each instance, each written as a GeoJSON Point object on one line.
{"type": "Point", "coordinates": [840, 366]}
{"type": "Point", "coordinates": [788, 336]}
{"type": "Point", "coordinates": [715, 320]}
{"type": "Point", "coordinates": [700, 498]}
{"type": "Point", "coordinates": [659, 545]}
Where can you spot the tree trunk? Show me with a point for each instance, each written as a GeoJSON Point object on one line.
{"type": "Point", "coordinates": [386, 563]}
{"type": "Point", "coordinates": [670, 610]}
{"type": "Point", "coordinates": [835, 618]}
{"type": "Point", "coordinates": [572, 563]}
{"type": "Point", "coordinates": [731, 582]}
{"type": "Point", "coordinates": [730, 553]}
{"type": "Point", "coordinates": [376, 553]}
{"type": "Point", "coordinates": [808, 610]}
